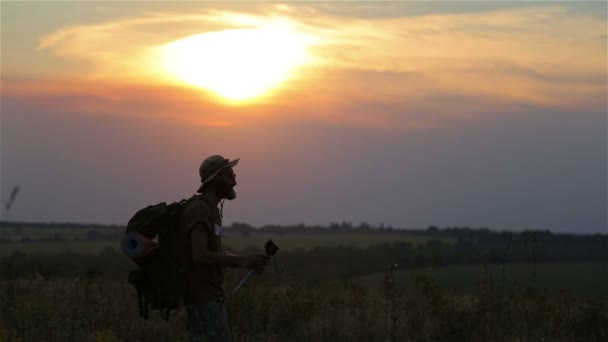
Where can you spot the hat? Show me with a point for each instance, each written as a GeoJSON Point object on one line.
{"type": "Point", "coordinates": [211, 166]}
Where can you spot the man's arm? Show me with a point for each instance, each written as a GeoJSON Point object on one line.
{"type": "Point", "coordinates": [203, 255]}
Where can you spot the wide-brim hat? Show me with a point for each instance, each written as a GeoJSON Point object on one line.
{"type": "Point", "coordinates": [212, 166]}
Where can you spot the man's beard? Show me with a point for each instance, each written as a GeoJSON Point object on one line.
{"type": "Point", "coordinates": [230, 194]}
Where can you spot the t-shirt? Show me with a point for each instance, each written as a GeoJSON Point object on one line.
{"type": "Point", "coordinates": [204, 282]}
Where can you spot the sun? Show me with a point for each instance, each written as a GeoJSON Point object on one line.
{"type": "Point", "coordinates": [237, 64]}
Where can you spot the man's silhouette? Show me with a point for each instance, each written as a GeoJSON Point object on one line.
{"type": "Point", "coordinates": [201, 230]}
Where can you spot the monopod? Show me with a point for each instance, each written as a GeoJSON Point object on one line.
{"type": "Point", "coordinates": [271, 249]}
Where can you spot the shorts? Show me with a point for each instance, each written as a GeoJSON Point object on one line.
{"type": "Point", "coordinates": [208, 322]}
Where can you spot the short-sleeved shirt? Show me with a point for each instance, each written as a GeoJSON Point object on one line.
{"type": "Point", "coordinates": [204, 281]}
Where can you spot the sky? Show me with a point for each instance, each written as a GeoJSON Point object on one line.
{"type": "Point", "coordinates": [405, 114]}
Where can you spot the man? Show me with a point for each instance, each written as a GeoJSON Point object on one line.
{"type": "Point", "coordinates": [201, 230]}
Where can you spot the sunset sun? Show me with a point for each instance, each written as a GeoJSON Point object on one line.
{"type": "Point", "coordinates": [237, 64]}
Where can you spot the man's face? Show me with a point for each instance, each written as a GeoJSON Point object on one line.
{"type": "Point", "coordinates": [226, 184]}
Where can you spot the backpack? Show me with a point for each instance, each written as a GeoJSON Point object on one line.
{"type": "Point", "coordinates": [152, 241]}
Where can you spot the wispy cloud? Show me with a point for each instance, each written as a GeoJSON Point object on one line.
{"type": "Point", "coordinates": [456, 64]}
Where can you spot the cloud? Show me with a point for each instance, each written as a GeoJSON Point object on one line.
{"type": "Point", "coordinates": [147, 102]}
{"type": "Point", "coordinates": [480, 53]}
{"type": "Point", "coordinates": [384, 72]}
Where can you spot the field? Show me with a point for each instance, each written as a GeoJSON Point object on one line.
{"type": "Point", "coordinates": [350, 285]}
{"type": "Point", "coordinates": [231, 241]}
{"type": "Point", "coordinates": [45, 247]}
{"type": "Point", "coordinates": [585, 279]}
{"type": "Point", "coordinates": [89, 309]}
{"type": "Point", "coordinates": [56, 231]}
{"type": "Point", "coordinates": [309, 241]}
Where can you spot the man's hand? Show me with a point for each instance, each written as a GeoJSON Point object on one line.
{"type": "Point", "coordinates": [257, 262]}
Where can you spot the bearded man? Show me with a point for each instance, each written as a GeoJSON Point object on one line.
{"type": "Point", "coordinates": [201, 231]}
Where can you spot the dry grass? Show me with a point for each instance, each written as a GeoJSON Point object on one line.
{"type": "Point", "coordinates": [89, 309]}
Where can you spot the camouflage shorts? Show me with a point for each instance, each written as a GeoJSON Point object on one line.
{"type": "Point", "coordinates": [208, 322]}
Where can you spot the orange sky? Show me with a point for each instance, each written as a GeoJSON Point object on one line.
{"type": "Point", "coordinates": [543, 55]}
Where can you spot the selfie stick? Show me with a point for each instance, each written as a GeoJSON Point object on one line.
{"type": "Point", "coordinates": [271, 249]}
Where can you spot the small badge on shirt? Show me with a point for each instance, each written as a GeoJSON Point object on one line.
{"type": "Point", "coordinates": [217, 230]}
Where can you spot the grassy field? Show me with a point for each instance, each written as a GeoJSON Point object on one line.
{"type": "Point", "coordinates": [45, 233]}
{"type": "Point", "coordinates": [586, 279]}
{"type": "Point", "coordinates": [232, 241]}
{"type": "Point", "coordinates": [57, 247]}
{"type": "Point", "coordinates": [319, 295]}
{"type": "Point", "coordinates": [308, 241]}
{"type": "Point", "coordinates": [88, 309]}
